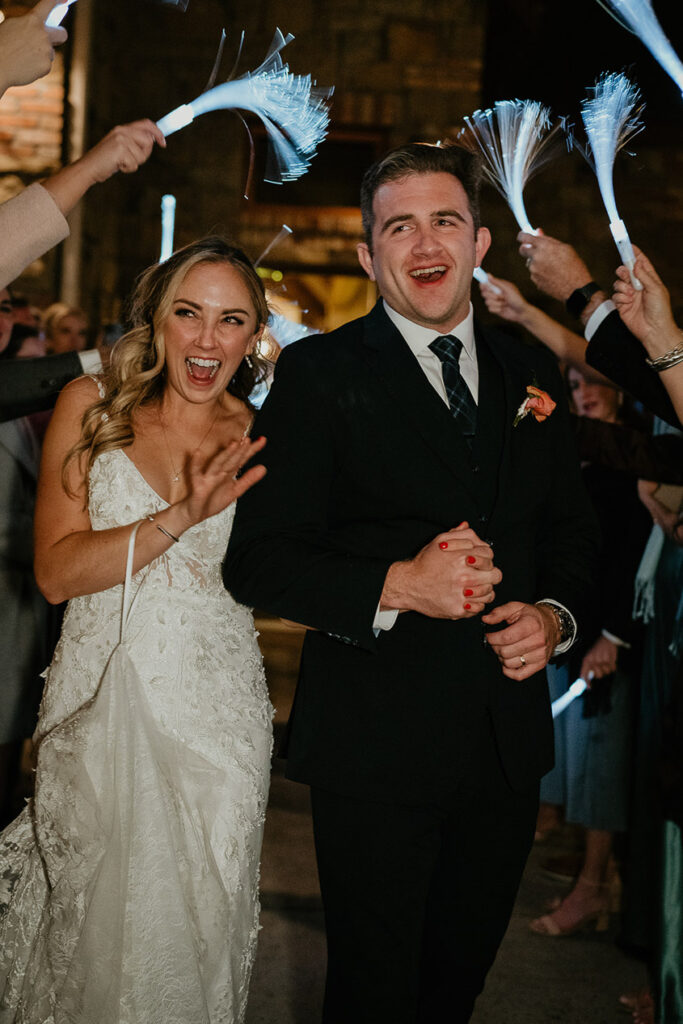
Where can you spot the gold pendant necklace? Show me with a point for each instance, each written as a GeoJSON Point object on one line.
{"type": "Point", "coordinates": [175, 473]}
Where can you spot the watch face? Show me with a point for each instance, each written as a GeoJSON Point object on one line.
{"type": "Point", "coordinates": [565, 624]}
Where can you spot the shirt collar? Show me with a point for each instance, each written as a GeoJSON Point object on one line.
{"type": "Point", "coordinates": [419, 338]}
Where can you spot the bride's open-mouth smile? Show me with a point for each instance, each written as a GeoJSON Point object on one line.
{"type": "Point", "coordinates": [201, 370]}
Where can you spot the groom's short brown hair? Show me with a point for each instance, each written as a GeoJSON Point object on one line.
{"type": "Point", "coordinates": [421, 158]}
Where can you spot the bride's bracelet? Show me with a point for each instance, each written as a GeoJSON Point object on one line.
{"type": "Point", "coordinates": [166, 533]}
{"type": "Point", "coordinates": [666, 361]}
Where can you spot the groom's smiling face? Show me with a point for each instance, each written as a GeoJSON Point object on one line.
{"type": "Point", "coordinates": [424, 248]}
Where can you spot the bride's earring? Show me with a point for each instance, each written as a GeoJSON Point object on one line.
{"type": "Point", "coordinates": [248, 361]}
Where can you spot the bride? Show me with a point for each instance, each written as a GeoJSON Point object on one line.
{"type": "Point", "coordinates": [129, 884]}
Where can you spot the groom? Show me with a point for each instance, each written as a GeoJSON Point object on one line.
{"type": "Point", "coordinates": [398, 491]}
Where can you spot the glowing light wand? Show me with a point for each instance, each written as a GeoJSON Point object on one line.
{"type": "Point", "coordinates": [293, 112]}
{"type": "Point", "coordinates": [637, 17]}
{"type": "Point", "coordinates": [515, 138]}
{"type": "Point", "coordinates": [285, 331]}
{"type": "Point", "coordinates": [611, 118]}
{"type": "Point", "coordinates": [480, 275]}
{"type": "Point", "coordinates": [56, 15]}
{"type": "Point", "coordinates": [168, 206]}
{"type": "Point", "coordinates": [578, 687]}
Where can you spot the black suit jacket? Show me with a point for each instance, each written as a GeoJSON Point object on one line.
{"type": "Point", "coordinates": [617, 353]}
{"type": "Point", "coordinates": [365, 466]}
{"type": "Point", "coordinates": [31, 385]}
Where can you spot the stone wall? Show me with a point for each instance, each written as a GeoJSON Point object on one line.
{"type": "Point", "coordinates": [391, 81]}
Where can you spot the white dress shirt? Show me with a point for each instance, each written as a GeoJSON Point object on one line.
{"type": "Point", "coordinates": [419, 339]}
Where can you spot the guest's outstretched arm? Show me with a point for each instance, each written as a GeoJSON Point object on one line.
{"type": "Point", "coordinates": [125, 148]}
{"type": "Point", "coordinates": [509, 303]}
{"type": "Point", "coordinates": [33, 221]}
{"type": "Point", "coordinates": [557, 269]}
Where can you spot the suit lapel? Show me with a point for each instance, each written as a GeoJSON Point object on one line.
{"type": "Point", "coordinates": [490, 441]}
{"type": "Point", "coordinates": [514, 375]}
{"type": "Point", "coordinates": [400, 373]}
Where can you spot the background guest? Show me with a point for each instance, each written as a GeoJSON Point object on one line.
{"type": "Point", "coordinates": [594, 736]}
{"type": "Point", "coordinates": [66, 329]}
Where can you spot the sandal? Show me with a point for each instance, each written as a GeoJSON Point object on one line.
{"type": "Point", "coordinates": [577, 911]}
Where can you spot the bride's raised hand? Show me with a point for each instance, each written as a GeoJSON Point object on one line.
{"type": "Point", "coordinates": [214, 485]}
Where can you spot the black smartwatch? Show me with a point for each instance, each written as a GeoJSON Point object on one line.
{"type": "Point", "coordinates": [579, 299]}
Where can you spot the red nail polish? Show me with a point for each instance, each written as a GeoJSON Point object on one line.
{"type": "Point", "coordinates": [443, 545]}
{"type": "Point", "coordinates": [468, 593]}
{"type": "Point", "coordinates": [467, 607]}
{"type": "Point", "coordinates": [471, 559]}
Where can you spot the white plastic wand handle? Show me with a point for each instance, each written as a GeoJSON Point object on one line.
{"type": "Point", "coordinates": [480, 275]}
{"type": "Point", "coordinates": [578, 687]}
{"type": "Point", "coordinates": [56, 15]}
{"type": "Point", "coordinates": [620, 235]}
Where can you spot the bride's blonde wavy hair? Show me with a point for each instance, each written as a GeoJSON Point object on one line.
{"type": "Point", "coordinates": [136, 374]}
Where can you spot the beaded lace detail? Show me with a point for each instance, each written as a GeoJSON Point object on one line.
{"type": "Point", "coordinates": [129, 884]}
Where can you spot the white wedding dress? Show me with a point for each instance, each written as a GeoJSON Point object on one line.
{"type": "Point", "coordinates": [129, 885]}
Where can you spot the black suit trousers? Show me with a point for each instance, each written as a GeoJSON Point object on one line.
{"type": "Point", "coordinates": [417, 898]}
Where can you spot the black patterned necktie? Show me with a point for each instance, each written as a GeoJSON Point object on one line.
{"type": "Point", "coordinates": [463, 406]}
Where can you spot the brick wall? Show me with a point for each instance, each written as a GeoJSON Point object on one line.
{"type": "Point", "coordinates": [31, 122]}
{"type": "Point", "coordinates": [400, 71]}
{"type": "Point", "coordinates": [31, 126]}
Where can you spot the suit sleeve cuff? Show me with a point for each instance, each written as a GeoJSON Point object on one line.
{"type": "Point", "coordinates": [384, 620]}
{"type": "Point", "coordinates": [90, 361]}
{"type": "Point", "coordinates": [597, 317]}
{"type": "Point", "coordinates": [615, 639]}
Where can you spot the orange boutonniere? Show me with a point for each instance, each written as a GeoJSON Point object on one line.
{"type": "Point", "coordinates": [537, 402]}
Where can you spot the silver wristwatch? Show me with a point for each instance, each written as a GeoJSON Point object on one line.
{"type": "Point", "coordinates": [564, 621]}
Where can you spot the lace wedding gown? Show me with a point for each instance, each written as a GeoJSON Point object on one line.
{"type": "Point", "coordinates": [129, 885]}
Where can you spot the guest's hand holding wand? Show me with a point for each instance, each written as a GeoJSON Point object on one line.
{"type": "Point", "coordinates": [505, 300]}
{"type": "Point", "coordinates": [27, 46]}
{"type": "Point", "coordinates": [554, 266]}
{"type": "Point", "coordinates": [646, 313]}
{"type": "Point", "coordinates": [648, 316]}
{"type": "Point", "coordinates": [125, 148]}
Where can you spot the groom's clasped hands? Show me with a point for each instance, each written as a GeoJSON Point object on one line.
{"type": "Point", "coordinates": [452, 577]}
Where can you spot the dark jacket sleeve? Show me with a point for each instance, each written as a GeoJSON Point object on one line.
{"type": "Point", "coordinates": [284, 555]}
{"type": "Point", "coordinates": [32, 385]}
{"type": "Point", "coordinates": [630, 451]}
{"type": "Point", "coordinates": [617, 353]}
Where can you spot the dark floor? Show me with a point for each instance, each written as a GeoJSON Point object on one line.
{"type": "Point", "coordinates": [535, 980]}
